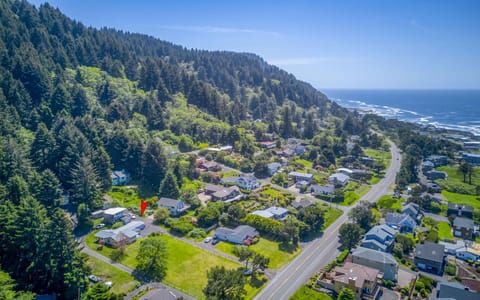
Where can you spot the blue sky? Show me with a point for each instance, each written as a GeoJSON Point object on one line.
{"type": "Point", "coordinates": [331, 44]}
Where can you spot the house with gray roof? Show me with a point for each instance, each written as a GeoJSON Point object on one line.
{"type": "Point", "coordinates": [299, 176]}
{"type": "Point", "coordinates": [380, 237]}
{"type": "Point", "coordinates": [176, 207]}
{"type": "Point", "coordinates": [273, 168]}
{"type": "Point", "coordinates": [460, 210]}
{"type": "Point", "coordinates": [411, 209]}
{"type": "Point", "coordinates": [126, 234]}
{"type": "Point", "coordinates": [237, 235]}
{"type": "Point", "coordinates": [463, 228]}
{"type": "Point", "coordinates": [279, 213]}
{"type": "Point", "coordinates": [322, 190]}
{"type": "Point", "coordinates": [246, 181]}
{"type": "Point", "coordinates": [454, 290]}
{"type": "Point", "coordinates": [304, 203]}
{"type": "Point", "coordinates": [339, 179]}
{"type": "Point", "coordinates": [401, 222]}
{"type": "Point", "coordinates": [384, 262]}
{"type": "Point", "coordinates": [430, 257]}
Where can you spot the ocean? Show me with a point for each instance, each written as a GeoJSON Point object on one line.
{"type": "Point", "coordinates": [449, 109]}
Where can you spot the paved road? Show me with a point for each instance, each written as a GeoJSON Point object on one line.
{"type": "Point", "coordinates": [323, 250]}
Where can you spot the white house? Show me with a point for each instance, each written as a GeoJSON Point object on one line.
{"type": "Point", "coordinates": [126, 234]}
{"type": "Point", "coordinates": [247, 181]}
{"type": "Point", "coordinates": [113, 215]}
{"type": "Point", "coordinates": [176, 207]}
{"type": "Point", "coordinates": [237, 235]}
{"type": "Point", "coordinates": [120, 177]}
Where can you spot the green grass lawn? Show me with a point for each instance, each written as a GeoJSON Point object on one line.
{"type": "Point", "coordinates": [187, 265]}
{"type": "Point", "coordinates": [353, 192]}
{"type": "Point", "coordinates": [455, 176]}
{"type": "Point", "coordinates": [444, 231]}
{"type": "Point", "coordinates": [462, 199]}
{"type": "Point", "coordinates": [127, 197]}
{"type": "Point", "coordinates": [331, 214]}
{"type": "Point", "coordinates": [387, 201]}
{"type": "Point", "coordinates": [122, 281]}
{"type": "Point", "coordinates": [385, 156]}
{"type": "Point", "coordinates": [374, 180]}
{"type": "Point", "coordinates": [268, 248]}
{"type": "Point", "coordinates": [304, 162]}
{"type": "Point", "coordinates": [306, 293]}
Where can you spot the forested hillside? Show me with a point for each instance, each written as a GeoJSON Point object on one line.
{"type": "Point", "coordinates": [76, 102]}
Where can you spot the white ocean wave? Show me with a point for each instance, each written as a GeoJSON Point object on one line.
{"type": "Point", "coordinates": [409, 116]}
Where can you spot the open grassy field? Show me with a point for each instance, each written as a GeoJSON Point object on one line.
{"type": "Point", "coordinates": [455, 176]}
{"type": "Point", "coordinates": [331, 214]}
{"type": "Point", "coordinates": [127, 196]}
{"type": "Point", "coordinates": [187, 265]}
{"type": "Point", "coordinates": [305, 163]}
{"type": "Point", "coordinates": [268, 248]}
{"type": "Point", "coordinates": [385, 156]}
{"type": "Point", "coordinates": [462, 199]}
{"type": "Point", "coordinates": [306, 293]}
{"type": "Point", "coordinates": [122, 281]}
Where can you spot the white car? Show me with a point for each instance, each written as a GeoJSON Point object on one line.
{"type": "Point", "coordinates": [108, 284]}
{"type": "Point", "coordinates": [207, 239]}
{"type": "Point", "coordinates": [93, 278]}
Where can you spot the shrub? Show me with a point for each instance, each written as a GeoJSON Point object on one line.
{"type": "Point", "coordinates": [342, 256]}
{"type": "Point", "coordinates": [451, 269]}
{"type": "Point", "coordinates": [197, 233]}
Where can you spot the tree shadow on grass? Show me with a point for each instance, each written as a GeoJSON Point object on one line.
{"type": "Point", "coordinates": [257, 281]}
{"type": "Point", "coordinates": [287, 247]}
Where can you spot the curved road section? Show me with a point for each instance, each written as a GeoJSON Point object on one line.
{"type": "Point", "coordinates": [325, 249]}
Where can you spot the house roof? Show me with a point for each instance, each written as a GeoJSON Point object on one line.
{"type": "Point", "coordinates": [104, 234]}
{"type": "Point", "coordinates": [454, 206]}
{"type": "Point", "coordinates": [463, 223]}
{"type": "Point", "coordinates": [411, 208]}
{"type": "Point", "coordinates": [226, 191]}
{"type": "Point", "coordinates": [399, 219]}
{"type": "Point", "coordinates": [114, 211]}
{"type": "Point", "coordinates": [300, 174]}
{"type": "Point", "coordinates": [338, 177]}
{"type": "Point", "coordinates": [430, 251]}
{"type": "Point", "coordinates": [344, 170]}
{"type": "Point", "coordinates": [453, 247]}
{"type": "Point", "coordinates": [213, 188]}
{"type": "Point", "coordinates": [374, 255]}
{"type": "Point", "coordinates": [455, 290]}
{"type": "Point", "coordinates": [375, 243]}
{"type": "Point", "coordinates": [358, 273]}
{"type": "Point", "coordinates": [382, 231]}
{"type": "Point", "coordinates": [263, 213]}
{"type": "Point", "coordinates": [163, 201]}
{"type": "Point", "coordinates": [325, 189]}
{"type": "Point", "coordinates": [241, 231]}
{"type": "Point", "coordinates": [274, 165]}
{"type": "Point", "coordinates": [302, 204]}
{"type": "Point", "coordinates": [277, 211]}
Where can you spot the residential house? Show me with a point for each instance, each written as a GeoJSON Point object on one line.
{"type": "Point", "coordinates": [247, 181]}
{"type": "Point", "coordinates": [209, 166]}
{"type": "Point", "coordinates": [362, 280]}
{"type": "Point", "coordinates": [368, 161]}
{"type": "Point", "coordinates": [463, 228]}
{"type": "Point", "coordinates": [471, 251]}
{"type": "Point", "coordinates": [401, 222]}
{"type": "Point", "coordinates": [427, 166]}
{"type": "Point", "coordinates": [236, 236]}
{"type": "Point", "coordinates": [176, 207]}
{"type": "Point", "coordinates": [226, 148]}
{"type": "Point", "coordinates": [430, 257]}
{"type": "Point", "coordinates": [126, 234]}
{"type": "Point", "coordinates": [345, 171]}
{"type": "Point", "coordinates": [471, 158]}
{"type": "Point", "coordinates": [380, 238]}
{"type": "Point", "coordinates": [460, 210]}
{"type": "Point", "coordinates": [435, 175]}
{"type": "Point", "coordinates": [411, 209]}
{"type": "Point", "coordinates": [273, 212]}
{"type": "Point", "coordinates": [384, 262]}
{"type": "Point", "coordinates": [322, 190]}
{"type": "Point", "coordinates": [454, 290]}
{"type": "Point", "coordinates": [304, 203]}
{"type": "Point", "coordinates": [438, 160]}
{"type": "Point", "coordinates": [97, 214]}
{"type": "Point", "coordinates": [221, 193]}
{"type": "Point", "coordinates": [453, 248]}
{"type": "Point", "coordinates": [298, 176]}
{"type": "Point", "coordinates": [286, 152]}
{"type": "Point", "coordinates": [273, 168]}
{"type": "Point", "coordinates": [433, 187]}
{"type": "Point", "coordinates": [338, 179]}
{"type": "Point", "coordinates": [302, 184]}
{"type": "Point", "coordinates": [267, 145]}
{"type": "Point", "coordinates": [113, 215]}
{"type": "Point", "coordinates": [120, 177]}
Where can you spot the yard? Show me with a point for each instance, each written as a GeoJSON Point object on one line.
{"type": "Point", "coordinates": [444, 231]}
{"type": "Point", "coordinates": [331, 214]}
{"type": "Point", "coordinates": [187, 265]}
{"type": "Point", "coordinates": [455, 176]}
{"type": "Point", "coordinates": [305, 163]}
{"type": "Point", "coordinates": [462, 199]}
{"type": "Point", "coordinates": [126, 197]}
{"type": "Point", "coordinates": [306, 293]}
{"type": "Point", "coordinates": [353, 192]}
{"type": "Point", "coordinates": [268, 248]}
{"type": "Point", "coordinates": [122, 281]}
{"type": "Point", "coordinates": [389, 202]}
{"type": "Point", "coordinates": [269, 194]}
{"type": "Point", "coordinates": [385, 156]}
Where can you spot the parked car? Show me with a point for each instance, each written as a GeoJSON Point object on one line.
{"type": "Point", "coordinates": [207, 239]}
{"type": "Point", "coordinates": [93, 278]}
{"type": "Point", "coordinates": [101, 225]}
{"type": "Point", "coordinates": [215, 241]}
{"type": "Point", "coordinates": [248, 272]}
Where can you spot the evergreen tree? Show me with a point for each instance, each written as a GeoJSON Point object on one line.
{"type": "Point", "coordinates": [154, 163]}
{"type": "Point", "coordinates": [48, 192]}
{"type": "Point", "coordinates": [152, 258]}
{"type": "Point", "coordinates": [85, 183]}
{"type": "Point", "coordinates": [224, 284]}
{"type": "Point", "coordinates": [169, 187]}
